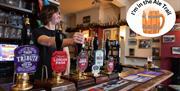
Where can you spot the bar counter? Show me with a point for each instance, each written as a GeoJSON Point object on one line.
{"type": "Point", "coordinates": [145, 86]}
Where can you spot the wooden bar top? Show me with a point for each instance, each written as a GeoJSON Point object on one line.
{"type": "Point", "coordinates": [146, 86]}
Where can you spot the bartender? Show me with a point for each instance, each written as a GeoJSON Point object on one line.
{"type": "Point", "coordinates": [44, 38]}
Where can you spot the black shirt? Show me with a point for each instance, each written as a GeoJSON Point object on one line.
{"type": "Point", "coordinates": [44, 51]}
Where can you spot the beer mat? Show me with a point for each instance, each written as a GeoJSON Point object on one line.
{"type": "Point", "coordinates": [143, 76]}
{"type": "Point", "coordinates": [113, 85]}
{"type": "Point", "coordinates": [150, 73]}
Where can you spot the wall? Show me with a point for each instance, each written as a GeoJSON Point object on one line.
{"type": "Point", "coordinates": [122, 34]}
{"type": "Point", "coordinates": [71, 20]}
{"type": "Point", "coordinates": [166, 52]}
{"type": "Point", "coordinates": [124, 9]}
{"type": "Point", "coordinates": [175, 4]}
{"type": "Point", "coordinates": [108, 13]}
{"type": "Point", "coordinates": [93, 13]}
{"type": "Point", "coordinates": [138, 52]}
{"type": "Point", "coordinates": [102, 14]}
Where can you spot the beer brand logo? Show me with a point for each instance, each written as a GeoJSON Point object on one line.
{"type": "Point", "coordinates": [99, 57]}
{"type": "Point", "coordinates": [110, 66]}
{"type": "Point", "coordinates": [151, 18]}
{"type": "Point", "coordinates": [59, 61]}
{"type": "Point", "coordinates": [95, 70]}
{"type": "Point", "coordinates": [82, 61]}
{"type": "Point", "coordinates": [26, 59]}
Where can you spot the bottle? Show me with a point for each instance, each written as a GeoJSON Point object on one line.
{"type": "Point", "coordinates": [149, 63]}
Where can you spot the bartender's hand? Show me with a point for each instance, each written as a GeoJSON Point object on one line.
{"type": "Point", "coordinates": [78, 38]}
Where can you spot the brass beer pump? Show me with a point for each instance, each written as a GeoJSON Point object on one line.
{"type": "Point", "coordinates": [22, 82]}
{"type": "Point", "coordinates": [57, 78]}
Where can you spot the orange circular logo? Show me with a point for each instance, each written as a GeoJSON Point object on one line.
{"type": "Point", "coordinates": [151, 18]}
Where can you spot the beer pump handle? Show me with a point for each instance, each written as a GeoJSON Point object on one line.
{"type": "Point", "coordinates": [118, 66]}
{"type": "Point", "coordinates": [59, 40]}
{"type": "Point", "coordinates": [118, 51]}
{"type": "Point", "coordinates": [83, 46]}
{"type": "Point", "coordinates": [95, 42]}
{"type": "Point", "coordinates": [79, 47]}
{"type": "Point", "coordinates": [107, 46]}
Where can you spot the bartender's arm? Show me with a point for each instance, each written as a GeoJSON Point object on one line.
{"type": "Point", "coordinates": [50, 41]}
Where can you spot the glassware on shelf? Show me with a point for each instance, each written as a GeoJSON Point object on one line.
{"type": "Point", "coordinates": [18, 33]}
{"type": "Point", "coordinates": [22, 4]}
{"type": "Point", "coordinates": [6, 18]}
{"type": "Point", "coordinates": [12, 33]}
{"type": "Point", "coordinates": [6, 32]}
{"type": "Point", "coordinates": [19, 21]}
{"type": "Point", "coordinates": [2, 1]}
{"type": "Point", "coordinates": [2, 13]}
{"type": "Point", "coordinates": [12, 2]}
{"type": "Point", "coordinates": [1, 31]}
{"type": "Point", "coordinates": [12, 18]}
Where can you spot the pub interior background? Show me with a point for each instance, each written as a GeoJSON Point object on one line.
{"type": "Point", "coordinates": [107, 19]}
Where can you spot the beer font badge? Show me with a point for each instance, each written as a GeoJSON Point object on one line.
{"type": "Point", "coordinates": [82, 61]}
{"type": "Point", "coordinates": [99, 57]}
{"type": "Point", "coordinates": [59, 61]}
{"type": "Point", "coordinates": [26, 58]}
{"type": "Point", "coordinates": [95, 70]}
{"type": "Point", "coordinates": [110, 65]}
{"type": "Point", "coordinates": [151, 18]}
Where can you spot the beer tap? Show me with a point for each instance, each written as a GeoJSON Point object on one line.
{"type": "Point", "coordinates": [59, 40]}
{"type": "Point", "coordinates": [94, 45]}
{"type": "Point", "coordinates": [117, 47]}
{"type": "Point", "coordinates": [58, 67]}
{"type": "Point", "coordinates": [118, 66]}
{"type": "Point", "coordinates": [79, 47]}
{"type": "Point", "coordinates": [95, 42]}
{"type": "Point", "coordinates": [107, 48]}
